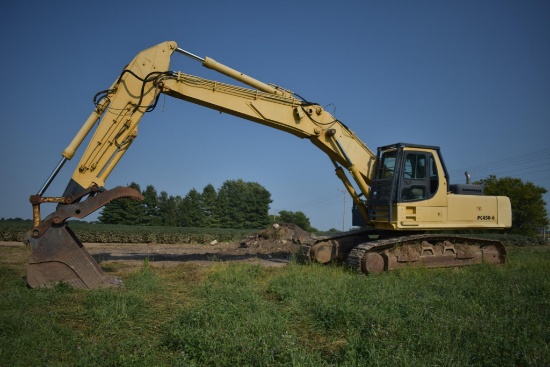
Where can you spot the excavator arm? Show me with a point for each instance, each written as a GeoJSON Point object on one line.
{"type": "Point", "coordinates": [147, 76]}
{"type": "Point", "coordinates": [120, 108]}
{"type": "Point", "coordinates": [58, 255]}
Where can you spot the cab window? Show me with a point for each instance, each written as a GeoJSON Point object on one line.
{"type": "Point", "coordinates": [414, 177]}
{"type": "Point", "coordinates": [415, 166]}
{"type": "Point", "coordinates": [387, 166]}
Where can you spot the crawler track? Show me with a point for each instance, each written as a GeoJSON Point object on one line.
{"type": "Point", "coordinates": [425, 250]}
{"type": "Point", "coordinates": [428, 250]}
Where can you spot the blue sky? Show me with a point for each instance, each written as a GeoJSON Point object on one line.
{"type": "Point", "coordinates": [470, 76]}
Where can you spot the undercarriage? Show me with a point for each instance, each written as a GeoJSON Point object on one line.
{"type": "Point", "coordinates": [373, 252]}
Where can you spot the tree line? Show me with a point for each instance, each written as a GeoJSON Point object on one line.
{"type": "Point", "coordinates": [237, 204]}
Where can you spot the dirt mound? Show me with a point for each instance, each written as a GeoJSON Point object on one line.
{"type": "Point", "coordinates": [282, 237]}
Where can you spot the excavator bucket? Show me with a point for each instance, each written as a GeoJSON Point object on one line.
{"type": "Point", "coordinates": [57, 255]}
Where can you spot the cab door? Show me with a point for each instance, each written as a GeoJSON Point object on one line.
{"type": "Point", "coordinates": [415, 180]}
{"type": "Point", "coordinates": [421, 194]}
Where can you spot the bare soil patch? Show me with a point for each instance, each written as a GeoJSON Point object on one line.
{"type": "Point", "coordinates": [274, 246]}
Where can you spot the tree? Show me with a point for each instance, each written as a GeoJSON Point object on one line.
{"type": "Point", "coordinates": [168, 210]}
{"type": "Point", "coordinates": [256, 205]}
{"type": "Point", "coordinates": [243, 204]}
{"type": "Point", "coordinates": [151, 203]}
{"type": "Point", "coordinates": [123, 210]}
{"type": "Point", "coordinates": [192, 215]}
{"type": "Point", "coordinates": [297, 218]}
{"type": "Point", "coordinates": [209, 206]}
{"type": "Point", "coordinates": [529, 213]}
{"type": "Point", "coordinates": [230, 199]}
{"type": "Point", "coordinates": [178, 200]}
{"type": "Point", "coordinates": [237, 204]}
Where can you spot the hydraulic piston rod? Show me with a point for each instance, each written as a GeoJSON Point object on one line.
{"type": "Point", "coordinates": [209, 63]}
{"type": "Point", "coordinates": [52, 176]}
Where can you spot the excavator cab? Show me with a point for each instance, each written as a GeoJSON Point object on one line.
{"type": "Point", "coordinates": [405, 173]}
{"type": "Point", "coordinates": [410, 191]}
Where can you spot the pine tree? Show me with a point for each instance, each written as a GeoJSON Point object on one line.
{"type": "Point", "coordinates": [231, 196]}
{"type": "Point", "coordinates": [151, 203]}
{"type": "Point", "coordinates": [222, 207]}
{"type": "Point", "coordinates": [192, 213]}
{"type": "Point", "coordinates": [179, 217]}
{"type": "Point", "coordinates": [168, 210]}
{"type": "Point", "coordinates": [209, 203]}
{"type": "Point", "coordinates": [257, 200]}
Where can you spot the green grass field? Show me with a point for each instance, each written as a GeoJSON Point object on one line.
{"type": "Point", "coordinates": [231, 314]}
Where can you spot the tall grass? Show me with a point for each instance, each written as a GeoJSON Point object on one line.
{"type": "Point", "coordinates": [483, 315]}
{"type": "Point", "coordinates": [246, 315]}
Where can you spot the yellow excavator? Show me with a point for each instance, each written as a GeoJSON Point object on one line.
{"type": "Point", "coordinates": [402, 196]}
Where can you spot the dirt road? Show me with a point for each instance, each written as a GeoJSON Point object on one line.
{"type": "Point", "coordinates": [170, 255]}
{"type": "Point", "coordinates": [271, 247]}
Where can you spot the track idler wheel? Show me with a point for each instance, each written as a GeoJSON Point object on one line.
{"type": "Point", "coordinates": [323, 252]}
{"type": "Point", "coordinates": [372, 263]}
